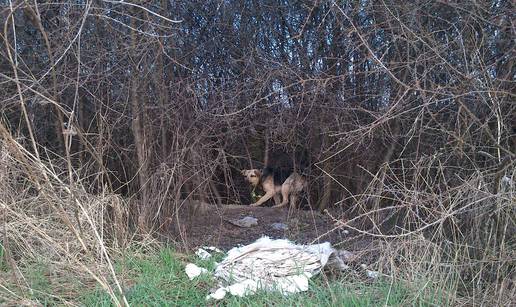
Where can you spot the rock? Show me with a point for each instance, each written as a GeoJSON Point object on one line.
{"type": "Point", "coordinates": [245, 222]}
{"type": "Point", "coordinates": [279, 226]}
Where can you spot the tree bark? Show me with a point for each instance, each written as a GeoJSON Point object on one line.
{"type": "Point", "coordinates": [138, 130]}
{"type": "Point", "coordinates": [35, 18]}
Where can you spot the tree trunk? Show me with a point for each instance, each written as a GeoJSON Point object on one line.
{"type": "Point", "coordinates": [35, 18]}
{"type": "Point", "coordinates": [138, 130]}
{"type": "Point", "coordinates": [327, 169]}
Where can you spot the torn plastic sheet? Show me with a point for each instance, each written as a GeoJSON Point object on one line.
{"type": "Point", "coordinates": [193, 271]}
{"type": "Point", "coordinates": [203, 252]}
{"type": "Point", "coordinates": [270, 265]}
{"type": "Point", "coordinates": [286, 285]}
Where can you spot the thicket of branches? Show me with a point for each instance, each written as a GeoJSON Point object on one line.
{"type": "Point", "coordinates": [400, 113]}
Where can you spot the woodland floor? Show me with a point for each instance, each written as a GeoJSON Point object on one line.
{"type": "Point", "coordinates": [209, 226]}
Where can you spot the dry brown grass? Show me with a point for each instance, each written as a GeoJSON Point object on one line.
{"type": "Point", "coordinates": [46, 219]}
{"type": "Point", "coordinates": [454, 240]}
{"type": "Point", "coordinates": [446, 232]}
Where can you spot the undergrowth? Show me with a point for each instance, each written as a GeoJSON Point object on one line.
{"type": "Point", "coordinates": [158, 279]}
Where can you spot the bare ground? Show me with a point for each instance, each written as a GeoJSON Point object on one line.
{"type": "Point", "coordinates": [209, 225]}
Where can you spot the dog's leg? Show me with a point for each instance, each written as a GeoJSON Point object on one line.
{"type": "Point", "coordinates": [285, 190]}
{"type": "Point", "coordinates": [264, 198]}
{"type": "Point", "coordinates": [277, 199]}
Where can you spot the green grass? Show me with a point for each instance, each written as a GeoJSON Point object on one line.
{"type": "Point", "coordinates": [40, 283]}
{"type": "Point", "coordinates": [158, 279]}
{"type": "Point", "coordinates": [154, 281]}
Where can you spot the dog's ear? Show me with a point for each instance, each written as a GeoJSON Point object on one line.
{"type": "Point", "coordinates": [257, 173]}
{"type": "Point", "coordinates": [243, 172]}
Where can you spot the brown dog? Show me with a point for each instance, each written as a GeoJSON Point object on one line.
{"type": "Point", "coordinates": [273, 185]}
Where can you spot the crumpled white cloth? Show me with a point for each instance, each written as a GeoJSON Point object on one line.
{"type": "Point", "coordinates": [192, 271]}
{"type": "Point", "coordinates": [203, 252]}
{"type": "Point", "coordinates": [270, 265]}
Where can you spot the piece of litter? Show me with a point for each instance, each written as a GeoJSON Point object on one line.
{"type": "Point", "coordinates": [369, 273]}
{"type": "Point", "coordinates": [506, 179]}
{"type": "Point", "coordinates": [270, 265]}
{"type": "Point", "coordinates": [293, 284]}
{"type": "Point", "coordinates": [245, 222]}
{"type": "Point", "coordinates": [217, 295]}
{"type": "Point", "coordinates": [193, 271]}
{"type": "Point", "coordinates": [372, 274]}
{"type": "Point", "coordinates": [213, 249]}
{"type": "Point", "coordinates": [279, 226]}
{"type": "Point", "coordinates": [241, 289]}
{"type": "Point", "coordinates": [202, 254]}
{"type": "Point", "coordinates": [285, 285]}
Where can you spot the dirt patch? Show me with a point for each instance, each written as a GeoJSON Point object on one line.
{"type": "Point", "coordinates": [208, 225]}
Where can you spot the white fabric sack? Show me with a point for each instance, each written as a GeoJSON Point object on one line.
{"type": "Point", "coordinates": [270, 265]}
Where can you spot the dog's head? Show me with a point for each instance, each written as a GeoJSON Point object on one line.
{"type": "Point", "coordinates": [252, 176]}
